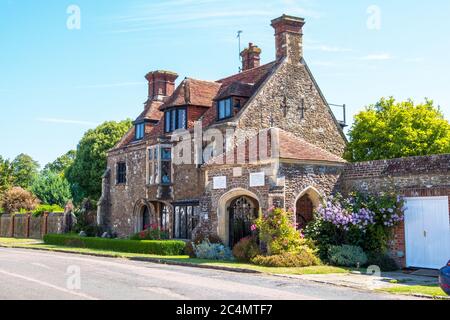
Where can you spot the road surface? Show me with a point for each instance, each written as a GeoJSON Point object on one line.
{"type": "Point", "coordinates": [39, 275]}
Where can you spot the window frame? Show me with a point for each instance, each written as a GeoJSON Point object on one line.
{"type": "Point", "coordinates": [180, 230]}
{"type": "Point", "coordinates": [121, 175]}
{"type": "Point", "coordinates": [227, 108]}
{"type": "Point", "coordinates": [155, 165]}
{"type": "Point", "coordinates": [172, 119]}
{"type": "Point", "coordinates": [139, 131]}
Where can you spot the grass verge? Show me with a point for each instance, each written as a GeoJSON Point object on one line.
{"type": "Point", "coordinates": [176, 260]}
{"type": "Point", "coordinates": [429, 290]}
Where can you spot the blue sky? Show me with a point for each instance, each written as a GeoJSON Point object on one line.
{"type": "Point", "coordinates": [56, 83]}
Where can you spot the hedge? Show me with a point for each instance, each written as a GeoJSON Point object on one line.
{"type": "Point", "coordinates": [163, 247]}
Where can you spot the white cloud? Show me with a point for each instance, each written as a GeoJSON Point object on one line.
{"type": "Point", "coordinates": [326, 48]}
{"type": "Point", "coordinates": [111, 85]}
{"type": "Point", "coordinates": [377, 57]}
{"type": "Point", "coordinates": [66, 121]}
{"type": "Point", "coordinates": [417, 60]}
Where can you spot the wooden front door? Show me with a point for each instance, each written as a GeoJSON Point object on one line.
{"type": "Point", "coordinates": [305, 212]}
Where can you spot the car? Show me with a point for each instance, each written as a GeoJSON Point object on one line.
{"type": "Point", "coordinates": [444, 278]}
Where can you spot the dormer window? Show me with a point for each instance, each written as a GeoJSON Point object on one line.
{"type": "Point", "coordinates": [225, 108]}
{"type": "Point", "coordinates": [139, 131]}
{"type": "Point", "coordinates": [175, 119]}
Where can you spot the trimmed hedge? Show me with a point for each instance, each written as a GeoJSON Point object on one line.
{"type": "Point", "coordinates": [163, 247]}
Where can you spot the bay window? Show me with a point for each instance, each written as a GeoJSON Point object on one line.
{"type": "Point", "coordinates": [160, 165]}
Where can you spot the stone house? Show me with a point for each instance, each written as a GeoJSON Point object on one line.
{"type": "Point", "coordinates": [210, 156]}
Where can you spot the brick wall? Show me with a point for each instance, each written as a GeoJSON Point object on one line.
{"type": "Point", "coordinates": [410, 177]}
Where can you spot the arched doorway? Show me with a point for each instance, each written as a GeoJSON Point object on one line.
{"type": "Point", "coordinates": [242, 213]}
{"type": "Point", "coordinates": [145, 216]}
{"type": "Point", "coordinates": [307, 201]}
{"type": "Point", "coordinates": [304, 211]}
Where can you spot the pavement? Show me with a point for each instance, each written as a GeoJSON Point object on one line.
{"type": "Point", "coordinates": [38, 275]}
{"type": "Point", "coordinates": [369, 282]}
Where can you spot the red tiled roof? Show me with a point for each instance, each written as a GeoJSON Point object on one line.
{"type": "Point", "coordinates": [252, 76]}
{"type": "Point", "coordinates": [296, 148]}
{"type": "Point", "coordinates": [287, 146]}
{"type": "Point", "coordinates": [193, 92]}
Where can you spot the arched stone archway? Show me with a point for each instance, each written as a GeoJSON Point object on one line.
{"type": "Point", "coordinates": [235, 199]}
{"type": "Point", "coordinates": [307, 201]}
{"type": "Point", "coordinates": [144, 214]}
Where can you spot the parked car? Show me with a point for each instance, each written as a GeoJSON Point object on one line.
{"type": "Point", "coordinates": [444, 278]}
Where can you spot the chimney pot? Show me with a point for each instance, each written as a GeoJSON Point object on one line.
{"type": "Point", "coordinates": [289, 37]}
{"type": "Point", "coordinates": [251, 57]}
{"type": "Point", "coordinates": [161, 84]}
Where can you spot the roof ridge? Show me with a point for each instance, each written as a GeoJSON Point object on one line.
{"type": "Point", "coordinates": [247, 71]}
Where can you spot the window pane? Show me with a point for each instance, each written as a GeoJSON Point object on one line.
{"type": "Point", "coordinates": [166, 154]}
{"type": "Point", "coordinates": [174, 120]}
{"type": "Point", "coordinates": [168, 121]}
{"type": "Point", "coordinates": [228, 108]}
{"type": "Point", "coordinates": [181, 119]}
{"type": "Point", "coordinates": [150, 154]}
{"type": "Point", "coordinates": [166, 172]}
{"type": "Point", "coordinates": [221, 109]}
{"type": "Point", "coordinates": [183, 226]}
{"type": "Point", "coordinates": [177, 223]}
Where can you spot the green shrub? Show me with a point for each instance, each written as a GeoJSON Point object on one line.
{"type": "Point", "coordinates": [277, 231]}
{"type": "Point", "coordinates": [213, 251]}
{"type": "Point", "coordinates": [305, 258]}
{"type": "Point", "coordinates": [164, 248]}
{"type": "Point", "coordinates": [46, 208]}
{"type": "Point", "coordinates": [212, 238]}
{"type": "Point", "coordinates": [347, 256]}
{"type": "Point", "coordinates": [384, 261]}
{"type": "Point", "coordinates": [246, 249]}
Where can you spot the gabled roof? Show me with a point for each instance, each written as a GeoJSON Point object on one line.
{"type": "Point", "coordinates": [284, 146]}
{"type": "Point", "coordinates": [236, 89]}
{"type": "Point", "coordinates": [193, 92]}
{"type": "Point", "coordinates": [151, 112]}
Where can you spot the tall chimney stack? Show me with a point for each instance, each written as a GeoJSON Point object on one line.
{"type": "Point", "coordinates": [289, 38]}
{"type": "Point", "coordinates": [251, 57]}
{"type": "Point", "coordinates": [161, 84]}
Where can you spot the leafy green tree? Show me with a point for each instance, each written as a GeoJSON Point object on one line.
{"type": "Point", "coordinates": [24, 171]}
{"type": "Point", "coordinates": [6, 177]}
{"type": "Point", "coordinates": [51, 188]}
{"type": "Point", "coordinates": [61, 164]}
{"type": "Point", "coordinates": [85, 174]}
{"type": "Point", "coordinates": [390, 129]}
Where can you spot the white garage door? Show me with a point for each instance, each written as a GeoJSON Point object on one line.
{"type": "Point", "coordinates": [427, 232]}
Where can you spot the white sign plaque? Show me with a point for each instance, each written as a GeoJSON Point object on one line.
{"type": "Point", "coordinates": [219, 183]}
{"type": "Point", "coordinates": [257, 179]}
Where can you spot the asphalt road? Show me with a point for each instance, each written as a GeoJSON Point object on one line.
{"type": "Point", "coordinates": [38, 275]}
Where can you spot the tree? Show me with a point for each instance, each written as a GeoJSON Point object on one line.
{"type": "Point", "coordinates": [85, 174]}
{"type": "Point", "coordinates": [61, 164]}
{"type": "Point", "coordinates": [24, 171]}
{"type": "Point", "coordinates": [16, 199]}
{"type": "Point", "coordinates": [391, 129]}
{"type": "Point", "coordinates": [6, 177]}
{"type": "Point", "coordinates": [51, 188]}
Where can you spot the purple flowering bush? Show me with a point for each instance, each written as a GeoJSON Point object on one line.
{"type": "Point", "coordinates": [360, 220]}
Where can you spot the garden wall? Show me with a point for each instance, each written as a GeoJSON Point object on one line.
{"type": "Point", "coordinates": [410, 177]}
{"type": "Point", "coordinates": [29, 226]}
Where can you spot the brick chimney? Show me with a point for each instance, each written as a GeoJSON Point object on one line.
{"type": "Point", "coordinates": [251, 57]}
{"type": "Point", "coordinates": [161, 84]}
{"type": "Point", "coordinates": [289, 37]}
